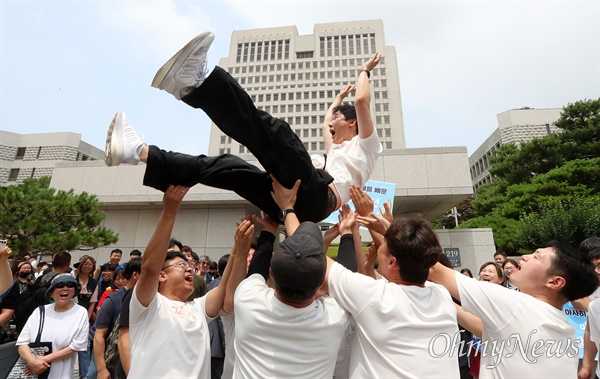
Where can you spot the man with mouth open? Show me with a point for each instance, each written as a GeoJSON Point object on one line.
{"type": "Point", "coordinates": [528, 333]}
{"type": "Point", "coordinates": [159, 313]}
{"type": "Point", "coordinates": [351, 142]}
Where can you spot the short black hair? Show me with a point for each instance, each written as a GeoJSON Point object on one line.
{"type": "Point", "coordinates": [589, 244]}
{"type": "Point", "coordinates": [134, 265]}
{"type": "Point", "coordinates": [173, 242]}
{"type": "Point", "coordinates": [576, 268]}
{"type": "Point", "coordinates": [172, 254]}
{"type": "Point", "coordinates": [594, 254]}
{"type": "Point", "coordinates": [501, 252]}
{"type": "Point", "coordinates": [108, 267]}
{"type": "Point", "coordinates": [119, 251]}
{"type": "Point", "coordinates": [349, 112]}
{"type": "Point", "coordinates": [135, 252]}
{"type": "Point", "coordinates": [223, 263]}
{"type": "Point", "coordinates": [61, 260]}
{"type": "Point", "coordinates": [195, 256]}
{"type": "Point", "coordinates": [415, 246]}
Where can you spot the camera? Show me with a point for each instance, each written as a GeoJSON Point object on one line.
{"type": "Point", "coordinates": [30, 278]}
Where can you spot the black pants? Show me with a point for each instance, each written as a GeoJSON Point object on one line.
{"type": "Point", "coordinates": [271, 141]}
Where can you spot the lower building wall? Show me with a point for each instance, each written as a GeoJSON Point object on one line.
{"type": "Point", "coordinates": [476, 246]}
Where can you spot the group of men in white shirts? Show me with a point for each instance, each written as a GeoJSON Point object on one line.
{"type": "Point", "coordinates": [286, 313]}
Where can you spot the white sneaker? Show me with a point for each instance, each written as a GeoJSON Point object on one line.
{"type": "Point", "coordinates": [122, 142]}
{"type": "Point", "coordinates": [186, 70]}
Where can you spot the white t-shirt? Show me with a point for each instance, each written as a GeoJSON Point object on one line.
{"type": "Point", "coordinates": [169, 339]}
{"type": "Point", "coordinates": [275, 340]}
{"type": "Point", "coordinates": [229, 329]}
{"type": "Point", "coordinates": [396, 327]}
{"type": "Point", "coordinates": [63, 329]}
{"type": "Point", "coordinates": [595, 295]}
{"type": "Point", "coordinates": [519, 323]}
{"type": "Point", "coordinates": [594, 323]}
{"type": "Point", "coordinates": [351, 162]}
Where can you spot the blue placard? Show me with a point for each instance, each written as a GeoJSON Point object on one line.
{"type": "Point", "coordinates": [577, 318]}
{"type": "Point", "coordinates": [380, 192]}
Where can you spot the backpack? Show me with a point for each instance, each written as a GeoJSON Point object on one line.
{"type": "Point", "coordinates": [111, 354]}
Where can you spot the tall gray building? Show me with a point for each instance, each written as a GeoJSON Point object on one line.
{"type": "Point", "coordinates": [514, 126]}
{"type": "Point", "coordinates": [24, 156]}
{"type": "Point", "coordinates": [296, 77]}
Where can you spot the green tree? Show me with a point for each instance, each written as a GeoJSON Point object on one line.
{"type": "Point", "coordinates": [568, 220]}
{"type": "Point", "coordinates": [37, 218]}
{"type": "Point", "coordinates": [548, 170]}
{"type": "Point", "coordinates": [465, 212]}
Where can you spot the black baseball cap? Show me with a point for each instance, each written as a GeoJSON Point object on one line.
{"type": "Point", "coordinates": [299, 263]}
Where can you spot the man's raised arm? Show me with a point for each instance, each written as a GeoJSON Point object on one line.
{"type": "Point", "coordinates": [362, 100]}
{"type": "Point", "coordinates": [156, 251]}
{"type": "Point", "coordinates": [446, 277]}
{"type": "Point", "coordinates": [327, 137]}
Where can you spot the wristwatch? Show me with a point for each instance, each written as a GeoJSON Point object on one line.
{"type": "Point", "coordinates": [284, 212]}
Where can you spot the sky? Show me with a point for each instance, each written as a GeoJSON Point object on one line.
{"type": "Point", "coordinates": [68, 66]}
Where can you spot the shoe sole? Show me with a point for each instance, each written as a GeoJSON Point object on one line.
{"type": "Point", "coordinates": [175, 63]}
{"type": "Point", "coordinates": [113, 148]}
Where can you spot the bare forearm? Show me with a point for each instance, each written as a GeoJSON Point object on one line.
{"type": "Point", "coordinates": [6, 279]}
{"type": "Point", "coordinates": [238, 273]}
{"type": "Point", "coordinates": [469, 321]}
{"type": "Point", "coordinates": [216, 297]}
{"type": "Point", "coordinates": [63, 353]}
{"type": "Point", "coordinates": [125, 349]}
{"type": "Point", "coordinates": [100, 348]}
{"type": "Point", "coordinates": [446, 277]}
{"type": "Point", "coordinates": [361, 258]}
{"type": "Point", "coordinates": [589, 349]}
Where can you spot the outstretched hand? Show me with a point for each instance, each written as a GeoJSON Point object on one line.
{"type": "Point", "coordinates": [372, 63]}
{"type": "Point", "coordinates": [386, 212]}
{"type": "Point", "coordinates": [5, 253]}
{"type": "Point", "coordinates": [243, 237]}
{"type": "Point", "coordinates": [347, 220]}
{"type": "Point", "coordinates": [346, 91]}
{"type": "Point", "coordinates": [374, 222]}
{"type": "Point", "coordinates": [362, 201]}
{"type": "Point", "coordinates": [173, 197]}
{"type": "Point", "coordinates": [285, 198]}
{"type": "Point", "coordinates": [266, 223]}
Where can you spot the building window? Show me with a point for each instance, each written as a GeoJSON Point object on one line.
{"type": "Point", "coordinates": [322, 46]}
{"type": "Point", "coordinates": [20, 153]}
{"type": "Point", "coordinates": [388, 145]}
{"type": "Point", "coordinates": [304, 54]}
{"type": "Point", "coordinates": [14, 174]}
{"type": "Point", "coordinates": [239, 53]}
{"type": "Point", "coordinates": [373, 50]}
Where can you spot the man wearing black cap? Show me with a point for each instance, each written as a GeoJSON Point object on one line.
{"type": "Point", "coordinates": [396, 320]}
{"type": "Point", "coordinates": [285, 331]}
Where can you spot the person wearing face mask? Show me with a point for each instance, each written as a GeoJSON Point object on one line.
{"type": "Point", "coordinates": [24, 279]}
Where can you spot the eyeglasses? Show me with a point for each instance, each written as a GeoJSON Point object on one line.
{"type": "Point", "coordinates": [204, 263]}
{"type": "Point", "coordinates": [182, 264]}
{"type": "Point", "coordinates": [509, 268]}
{"type": "Point", "coordinates": [63, 285]}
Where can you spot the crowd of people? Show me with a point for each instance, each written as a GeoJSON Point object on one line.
{"type": "Point", "coordinates": [288, 310]}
